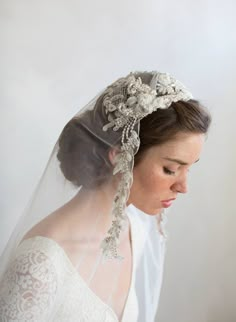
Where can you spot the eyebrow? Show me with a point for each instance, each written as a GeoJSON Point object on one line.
{"type": "Point", "coordinates": [178, 161]}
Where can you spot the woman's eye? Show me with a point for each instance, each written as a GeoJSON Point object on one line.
{"type": "Point", "coordinates": [168, 171]}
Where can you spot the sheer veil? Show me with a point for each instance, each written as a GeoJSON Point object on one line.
{"type": "Point", "coordinates": [54, 191]}
{"type": "Point", "coordinates": [86, 185]}
{"type": "Point", "coordinates": [51, 192]}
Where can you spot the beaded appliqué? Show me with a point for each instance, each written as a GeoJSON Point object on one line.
{"type": "Point", "coordinates": [126, 102]}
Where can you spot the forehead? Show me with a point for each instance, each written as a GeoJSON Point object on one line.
{"type": "Point", "coordinates": [185, 146]}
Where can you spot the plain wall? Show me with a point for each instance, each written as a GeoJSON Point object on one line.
{"type": "Point", "coordinates": [56, 55]}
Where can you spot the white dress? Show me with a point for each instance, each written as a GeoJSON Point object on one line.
{"type": "Point", "coordinates": [41, 283]}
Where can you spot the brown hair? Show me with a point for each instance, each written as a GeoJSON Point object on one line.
{"type": "Point", "coordinates": [164, 124]}
{"type": "Point", "coordinates": [83, 146]}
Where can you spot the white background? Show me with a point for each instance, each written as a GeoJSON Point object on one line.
{"type": "Point", "coordinates": [56, 55]}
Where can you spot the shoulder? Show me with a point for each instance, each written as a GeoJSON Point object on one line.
{"type": "Point", "coordinates": [39, 250]}
{"type": "Point", "coordinates": [51, 226]}
{"type": "Point", "coordinates": [57, 235]}
{"type": "Point", "coordinates": [39, 258]}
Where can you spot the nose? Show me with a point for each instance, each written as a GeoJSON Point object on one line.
{"type": "Point", "coordinates": [181, 185]}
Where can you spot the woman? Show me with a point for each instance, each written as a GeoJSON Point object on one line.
{"type": "Point", "coordinates": [91, 244]}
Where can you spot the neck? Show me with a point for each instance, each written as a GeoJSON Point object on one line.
{"type": "Point", "coordinates": [92, 207]}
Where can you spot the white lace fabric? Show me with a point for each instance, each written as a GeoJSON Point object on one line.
{"type": "Point", "coordinates": [41, 283]}
{"type": "Point", "coordinates": [30, 285]}
{"type": "Point", "coordinates": [38, 273]}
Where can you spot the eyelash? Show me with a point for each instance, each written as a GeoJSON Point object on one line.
{"type": "Point", "coordinates": [169, 172]}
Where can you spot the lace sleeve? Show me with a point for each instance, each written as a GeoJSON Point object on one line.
{"type": "Point", "coordinates": [29, 287]}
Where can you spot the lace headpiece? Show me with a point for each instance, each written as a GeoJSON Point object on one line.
{"type": "Point", "coordinates": [126, 102]}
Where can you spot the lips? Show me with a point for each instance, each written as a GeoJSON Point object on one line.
{"type": "Point", "coordinates": [168, 200]}
{"type": "Point", "coordinates": [167, 203]}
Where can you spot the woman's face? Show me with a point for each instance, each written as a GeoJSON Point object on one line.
{"type": "Point", "coordinates": [162, 172]}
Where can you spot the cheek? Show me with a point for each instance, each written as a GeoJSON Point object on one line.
{"type": "Point", "coordinates": [158, 181]}
{"type": "Point", "coordinates": [154, 180]}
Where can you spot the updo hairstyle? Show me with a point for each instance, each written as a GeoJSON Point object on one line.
{"type": "Point", "coordinates": [83, 146]}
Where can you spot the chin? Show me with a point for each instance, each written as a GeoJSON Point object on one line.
{"type": "Point", "coordinates": [150, 211]}
{"type": "Point", "coordinates": [154, 212]}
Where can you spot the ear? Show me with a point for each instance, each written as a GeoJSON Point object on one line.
{"type": "Point", "coordinates": [112, 154]}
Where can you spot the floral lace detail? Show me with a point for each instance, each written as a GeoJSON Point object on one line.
{"type": "Point", "coordinates": [128, 99]}
{"type": "Point", "coordinates": [28, 289]}
{"type": "Point", "coordinates": [126, 102]}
